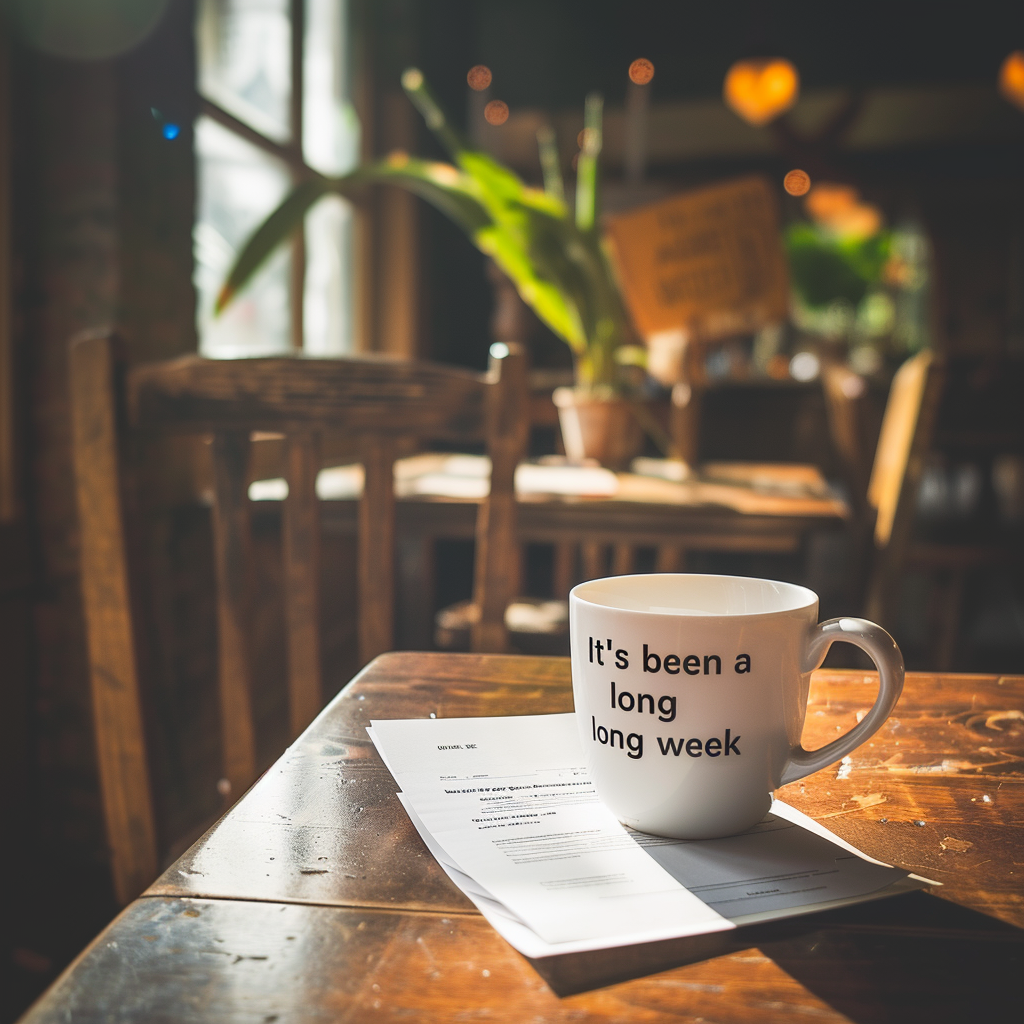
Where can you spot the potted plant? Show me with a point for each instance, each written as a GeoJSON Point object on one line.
{"type": "Point", "coordinates": [553, 255]}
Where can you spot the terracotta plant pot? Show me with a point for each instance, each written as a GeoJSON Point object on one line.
{"type": "Point", "coordinates": [604, 429]}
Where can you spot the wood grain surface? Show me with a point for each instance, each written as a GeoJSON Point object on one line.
{"type": "Point", "coordinates": [937, 790]}
{"type": "Point", "coordinates": [909, 960]}
{"type": "Point", "coordinates": [313, 898]}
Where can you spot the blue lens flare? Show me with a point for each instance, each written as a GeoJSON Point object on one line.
{"type": "Point", "coordinates": [170, 131]}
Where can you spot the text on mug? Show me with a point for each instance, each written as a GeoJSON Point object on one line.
{"type": "Point", "coordinates": [691, 664]}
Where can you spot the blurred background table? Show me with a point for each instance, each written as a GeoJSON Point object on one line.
{"type": "Point", "coordinates": [598, 522]}
{"type": "Point", "coordinates": [314, 896]}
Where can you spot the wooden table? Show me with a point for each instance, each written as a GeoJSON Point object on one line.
{"type": "Point", "coordinates": [313, 899]}
{"type": "Point", "coordinates": [726, 507]}
{"type": "Point", "coordinates": [762, 508]}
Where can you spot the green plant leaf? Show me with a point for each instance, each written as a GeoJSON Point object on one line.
{"type": "Point", "coordinates": [557, 263]}
{"type": "Point", "coordinates": [455, 194]}
{"type": "Point", "coordinates": [550, 163]}
{"type": "Point", "coordinates": [586, 168]}
{"type": "Point", "coordinates": [269, 235]}
{"type": "Point", "coordinates": [416, 88]}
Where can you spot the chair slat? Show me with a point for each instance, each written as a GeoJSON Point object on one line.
{"type": "Point", "coordinates": [622, 559]}
{"type": "Point", "coordinates": [113, 666]}
{"type": "Point", "coordinates": [669, 558]}
{"type": "Point", "coordinates": [564, 570]}
{"type": "Point", "coordinates": [593, 554]}
{"type": "Point", "coordinates": [301, 580]}
{"type": "Point", "coordinates": [376, 549]}
{"type": "Point", "coordinates": [233, 563]}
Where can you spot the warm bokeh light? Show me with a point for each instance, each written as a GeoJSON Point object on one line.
{"type": "Point", "coordinates": [496, 112]}
{"type": "Point", "coordinates": [759, 90]}
{"type": "Point", "coordinates": [641, 71]}
{"type": "Point", "coordinates": [797, 182]}
{"type": "Point", "coordinates": [840, 209]}
{"type": "Point", "coordinates": [479, 77]}
{"type": "Point", "coordinates": [1011, 78]}
{"type": "Point", "coordinates": [861, 221]}
{"type": "Point", "coordinates": [828, 200]}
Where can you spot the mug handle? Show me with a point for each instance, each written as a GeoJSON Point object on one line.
{"type": "Point", "coordinates": [882, 650]}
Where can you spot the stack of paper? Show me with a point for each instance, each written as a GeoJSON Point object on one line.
{"type": "Point", "coordinates": [508, 808]}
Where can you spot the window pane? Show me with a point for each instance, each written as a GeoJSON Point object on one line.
{"type": "Point", "coordinates": [330, 144]}
{"type": "Point", "coordinates": [329, 298]}
{"type": "Point", "coordinates": [330, 131]}
{"type": "Point", "coordinates": [238, 186]}
{"type": "Point", "coordinates": [245, 61]}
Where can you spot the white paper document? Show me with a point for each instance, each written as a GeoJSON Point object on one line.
{"type": "Point", "coordinates": [507, 807]}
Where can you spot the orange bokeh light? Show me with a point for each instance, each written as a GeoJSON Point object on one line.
{"type": "Point", "coordinates": [1011, 78]}
{"type": "Point", "coordinates": [496, 112]}
{"type": "Point", "coordinates": [479, 77]}
{"type": "Point", "coordinates": [860, 221]}
{"type": "Point", "coordinates": [797, 182]}
{"type": "Point", "coordinates": [841, 209]}
{"type": "Point", "coordinates": [829, 200]}
{"type": "Point", "coordinates": [759, 90]}
{"type": "Point", "coordinates": [641, 71]}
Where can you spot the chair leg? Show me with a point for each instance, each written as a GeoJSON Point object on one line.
{"type": "Point", "coordinates": [233, 564]}
{"type": "Point", "coordinates": [593, 559]}
{"type": "Point", "coordinates": [622, 559]}
{"type": "Point", "coordinates": [563, 576]}
{"type": "Point", "coordinates": [670, 558]}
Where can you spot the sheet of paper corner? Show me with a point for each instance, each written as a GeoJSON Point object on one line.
{"type": "Point", "coordinates": [527, 941]}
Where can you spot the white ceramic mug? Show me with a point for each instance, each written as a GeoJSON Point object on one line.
{"type": "Point", "coordinates": [691, 691]}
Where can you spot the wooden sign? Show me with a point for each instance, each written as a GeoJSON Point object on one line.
{"type": "Point", "coordinates": [709, 261]}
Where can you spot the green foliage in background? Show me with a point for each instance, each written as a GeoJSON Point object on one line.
{"type": "Point", "coordinates": [554, 256]}
{"type": "Point", "coordinates": [826, 267]}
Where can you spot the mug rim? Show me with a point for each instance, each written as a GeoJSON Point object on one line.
{"type": "Point", "coordinates": [808, 598]}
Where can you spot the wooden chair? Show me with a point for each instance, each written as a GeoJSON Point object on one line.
{"type": "Point", "coordinates": [908, 427]}
{"type": "Point", "coordinates": [376, 403]}
{"type": "Point", "coordinates": [887, 506]}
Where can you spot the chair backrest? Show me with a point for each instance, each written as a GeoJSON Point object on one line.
{"type": "Point", "coordinates": [378, 404]}
{"type": "Point", "coordinates": [908, 426]}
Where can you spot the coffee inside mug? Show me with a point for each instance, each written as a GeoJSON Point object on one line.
{"type": "Point", "coordinates": [691, 691]}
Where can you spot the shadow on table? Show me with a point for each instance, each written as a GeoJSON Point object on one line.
{"type": "Point", "coordinates": [908, 959]}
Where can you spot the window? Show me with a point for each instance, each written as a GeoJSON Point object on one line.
{"type": "Point", "coordinates": [275, 87]}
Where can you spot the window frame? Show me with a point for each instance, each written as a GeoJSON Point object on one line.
{"type": "Point", "coordinates": [291, 154]}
